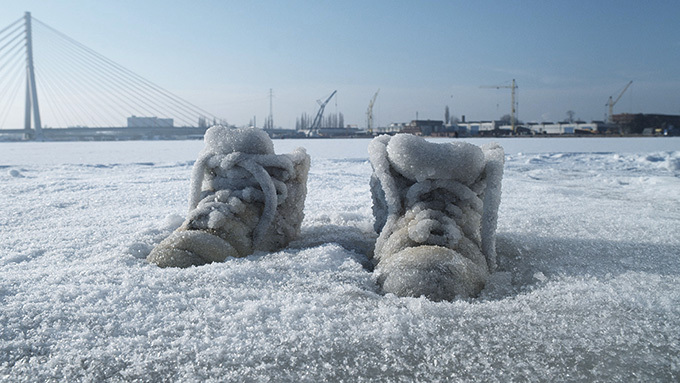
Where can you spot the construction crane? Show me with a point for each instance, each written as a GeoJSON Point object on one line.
{"type": "Point", "coordinates": [513, 87]}
{"type": "Point", "coordinates": [369, 114]}
{"type": "Point", "coordinates": [314, 129]}
{"type": "Point", "coordinates": [611, 103]}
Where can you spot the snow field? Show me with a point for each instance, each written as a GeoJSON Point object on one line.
{"type": "Point", "coordinates": [588, 285]}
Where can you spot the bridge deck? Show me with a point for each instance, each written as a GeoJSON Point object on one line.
{"type": "Point", "coordinates": [60, 134]}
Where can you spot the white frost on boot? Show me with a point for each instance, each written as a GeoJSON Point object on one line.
{"type": "Point", "coordinates": [436, 208]}
{"type": "Point", "coordinates": [243, 198]}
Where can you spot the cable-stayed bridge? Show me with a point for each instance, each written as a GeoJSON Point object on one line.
{"type": "Point", "coordinates": [70, 92]}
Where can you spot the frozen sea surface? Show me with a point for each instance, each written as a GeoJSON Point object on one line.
{"type": "Point", "coordinates": [588, 287]}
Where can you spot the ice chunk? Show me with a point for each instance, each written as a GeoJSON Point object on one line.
{"type": "Point", "coordinates": [494, 158]}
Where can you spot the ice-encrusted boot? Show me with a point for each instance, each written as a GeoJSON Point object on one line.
{"type": "Point", "coordinates": [243, 198]}
{"type": "Point", "coordinates": [436, 208]}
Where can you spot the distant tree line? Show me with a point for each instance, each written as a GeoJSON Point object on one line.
{"type": "Point", "coordinates": [449, 119]}
{"type": "Point", "coordinates": [268, 123]}
{"type": "Point", "coordinates": [506, 119]}
{"type": "Point", "coordinates": [333, 120]}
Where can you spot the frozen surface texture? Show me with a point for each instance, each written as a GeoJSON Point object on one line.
{"type": "Point", "coordinates": [244, 198]}
{"type": "Point", "coordinates": [587, 287]}
{"type": "Point", "coordinates": [436, 209]}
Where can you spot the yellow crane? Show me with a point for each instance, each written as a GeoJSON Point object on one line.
{"type": "Point", "coordinates": [513, 87]}
{"type": "Point", "coordinates": [611, 103]}
{"type": "Point", "coordinates": [369, 114]}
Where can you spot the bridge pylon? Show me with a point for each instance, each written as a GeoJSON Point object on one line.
{"type": "Point", "coordinates": [32, 107]}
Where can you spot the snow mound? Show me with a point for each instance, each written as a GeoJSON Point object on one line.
{"type": "Point", "coordinates": [663, 160]}
{"type": "Point", "coordinates": [673, 162]}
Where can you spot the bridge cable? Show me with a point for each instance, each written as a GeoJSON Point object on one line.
{"type": "Point", "coordinates": [10, 72]}
{"type": "Point", "coordinates": [141, 95]}
{"type": "Point", "coordinates": [18, 82]}
{"type": "Point", "coordinates": [89, 79]}
{"type": "Point", "coordinates": [94, 86]}
{"type": "Point", "coordinates": [86, 74]}
{"type": "Point", "coordinates": [70, 98]}
{"type": "Point", "coordinates": [12, 24]}
{"type": "Point", "coordinates": [130, 73]}
{"type": "Point", "coordinates": [15, 69]}
{"type": "Point", "coordinates": [132, 78]}
{"type": "Point", "coordinates": [19, 28]}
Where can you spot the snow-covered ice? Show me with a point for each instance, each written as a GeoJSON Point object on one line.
{"type": "Point", "coordinates": [587, 286]}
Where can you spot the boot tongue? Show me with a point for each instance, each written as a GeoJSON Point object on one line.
{"type": "Point", "coordinates": [221, 139]}
{"type": "Point", "coordinates": [418, 160]}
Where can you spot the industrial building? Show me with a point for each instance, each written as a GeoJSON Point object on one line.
{"type": "Point", "coordinates": [424, 127]}
{"type": "Point", "coordinates": [149, 122]}
{"type": "Point", "coordinates": [482, 128]}
{"type": "Point", "coordinates": [393, 128]}
{"type": "Point", "coordinates": [475, 128]}
{"type": "Point", "coordinates": [564, 127]}
{"type": "Point", "coordinates": [648, 124]}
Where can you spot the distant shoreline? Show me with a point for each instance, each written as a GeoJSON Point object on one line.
{"type": "Point", "coordinates": [199, 138]}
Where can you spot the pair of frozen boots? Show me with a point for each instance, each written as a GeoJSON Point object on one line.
{"type": "Point", "coordinates": [435, 208]}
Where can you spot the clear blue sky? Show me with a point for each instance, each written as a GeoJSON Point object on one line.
{"type": "Point", "coordinates": [423, 55]}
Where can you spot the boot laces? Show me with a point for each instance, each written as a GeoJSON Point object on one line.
{"type": "Point", "coordinates": [222, 185]}
{"type": "Point", "coordinates": [439, 212]}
